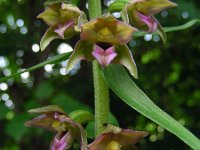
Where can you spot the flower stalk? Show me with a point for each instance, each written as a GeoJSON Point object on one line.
{"type": "Point", "coordinates": [100, 87]}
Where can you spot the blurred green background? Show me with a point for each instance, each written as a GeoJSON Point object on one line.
{"type": "Point", "coordinates": [169, 75]}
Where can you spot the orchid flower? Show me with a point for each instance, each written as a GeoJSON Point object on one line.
{"type": "Point", "coordinates": [104, 39]}
{"type": "Point", "coordinates": [63, 21]}
{"type": "Point", "coordinates": [115, 138]}
{"type": "Point", "coordinates": [54, 119]}
{"type": "Point", "coordinates": [140, 14]}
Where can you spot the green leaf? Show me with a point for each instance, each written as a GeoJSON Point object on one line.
{"type": "Point", "coordinates": [119, 81]}
{"type": "Point", "coordinates": [118, 5]}
{"type": "Point", "coordinates": [81, 116]}
{"type": "Point", "coordinates": [4, 111]}
{"type": "Point", "coordinates": [44, 90]}
{"type": "Point", "coordinates": [75, 2]}
{"type": "Point", "coordinates": [185, 26]}
{"type": "Point", "coordinates": [49, 36]}
{"type": "Point", "coordinates": [112, 120]}
{"type": "Point", "coordinates": [53, 60]}
{"type": "Point", "coordinates": [50, 2]}
{"type": "Point", "coordinates": [17, 125]}
{"type": "Point", "coordinates": [68, 103]}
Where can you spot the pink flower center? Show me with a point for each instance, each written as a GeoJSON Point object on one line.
{"type": "Point", "coordinates": [149, 21]}
{"type": "Point", "coordinates": [104, 57]}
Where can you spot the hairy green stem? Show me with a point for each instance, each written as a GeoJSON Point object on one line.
{"type": "Point", "coordinates": [100, 87]}
{"type": "Point", "coordinates": [101, 99]}
{"type": "Point", "coordinates": [94, 8]}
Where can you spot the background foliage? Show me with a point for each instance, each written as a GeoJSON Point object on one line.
{"type": "Point", "coordinates": [169, 75]}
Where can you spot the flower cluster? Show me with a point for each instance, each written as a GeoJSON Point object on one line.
{"type": "Point", "coordinates": [55, 119]}
{"type": "Point", "coordinates": [103, 39]}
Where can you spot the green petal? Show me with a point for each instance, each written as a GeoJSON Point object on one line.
{"type": "Point", "coordinates": [81, 20]}
{"type": "Point", "coordinates": [47, 121]}
{"type": "Point", "coordinates": [124, 15]}
{"type": "Point", "coordinates": [151, 7]}
{"type": "Point", "coordinates": [161, 33]}
{"type": "Point", "coordinates": [107, 29]}
{"type": "Point", "coordinates": [83, 50]}
{"type": "Point", "coordinates": [49, 36]}
{"type": "Point", "coordinates": [51, 15]}
{"type": "Point", "coordinates": [125, 58]}
{"type": "Point", "coordinates": [47, 109]}
{"type": "Point", "coordinates": [60, 13]}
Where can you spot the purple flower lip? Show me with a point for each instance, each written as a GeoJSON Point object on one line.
{"type": "Point", "coordinates": [149, 21]}
{"type": "Point", "coordinates": [59, 142]}
{"type": "Point", "coordinates": [104, 56]}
